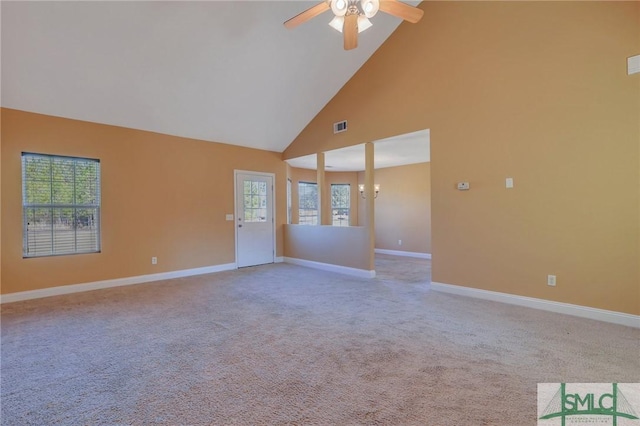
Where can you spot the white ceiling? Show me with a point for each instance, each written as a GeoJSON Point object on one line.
{"type": "Point", "coordinates": [400, 150]}
{"type": "Point", "coordinates": [222, 71]}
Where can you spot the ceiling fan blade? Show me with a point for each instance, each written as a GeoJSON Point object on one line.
{"type": "Point", "coordinates": [312, 12]}
{"type": "Point", "coordinates": [350, 31]}
{"type": "Point", "coordinates": [401, 10]}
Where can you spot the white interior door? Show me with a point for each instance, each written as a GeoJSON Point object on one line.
{"type": "Point", "coordinates": [255, 224]}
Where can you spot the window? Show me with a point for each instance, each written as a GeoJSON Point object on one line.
{"type": "Point", "coordinates": [289, 201]}
{"type": "Point", "coordinates": [340, 204]}
{"type": "Point", "coordinates": [60, 205]}
{"type": "Point", "coordinates": [255, 201]}
{"type": "Point", "coordinates": [308, 203]}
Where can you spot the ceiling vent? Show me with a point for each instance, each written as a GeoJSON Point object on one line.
{"type": "Point", "coordinates": [340, 126]}
{"type": "Point", "coordinates": [633, 65]}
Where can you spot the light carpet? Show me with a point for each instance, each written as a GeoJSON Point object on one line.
{"type": "Point", "coordinates": [283, 344]}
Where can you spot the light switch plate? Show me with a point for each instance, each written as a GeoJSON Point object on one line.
{"type": "Point", "coordinates": [633, 65]}
{"type": "Point", "coordinates": [229, 217]}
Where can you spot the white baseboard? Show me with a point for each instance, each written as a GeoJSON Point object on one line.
{"type": "Point", "coordinates": [545, 305]}
{"type": "Point", "coordinates": [278, 259]}
{"type": "Point", "coordinates": [362, 273]}
{"type": "Point", "coordinates": [76, 288]}
{"type": "Point", "coordinates": [404, 253]}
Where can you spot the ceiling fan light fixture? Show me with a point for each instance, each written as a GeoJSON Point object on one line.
{"type": "Point", "coordinates": [352, 16]}
{"type": "Point", "coordinates": [363, 23]}
{"type": "Point", "coordinates": [339, 7]}
{"type": "Point", "coordinates": [337, 23]}
{"type": "Point", "coordinates": [370, 7]}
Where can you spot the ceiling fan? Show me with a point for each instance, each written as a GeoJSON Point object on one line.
{"type": "Point", "coordinates": [352, 16]}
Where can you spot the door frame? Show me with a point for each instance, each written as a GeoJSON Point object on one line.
{"type": "Point", "coordinates": [236, 172]}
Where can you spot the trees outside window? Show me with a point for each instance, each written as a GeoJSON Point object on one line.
{"type": "Point", "coordinates": [60, 205]}
{"type": "Point", "coordinates": [340, 204]}
{"type": "Point", "coordinates": [307, 203]}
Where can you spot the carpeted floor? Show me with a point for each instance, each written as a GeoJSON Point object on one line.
{"type": "Point", "coordinates": [282, 344]}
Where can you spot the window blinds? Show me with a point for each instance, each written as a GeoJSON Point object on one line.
{"type": "Point", "coordinates": [61, 205]}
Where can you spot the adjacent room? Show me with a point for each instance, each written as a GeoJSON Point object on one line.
{"type": "Point", "coordinates": [319, 213]}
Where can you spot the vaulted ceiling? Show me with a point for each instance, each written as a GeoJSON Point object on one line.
{"type": "Point", "coordinates": [221, 71]}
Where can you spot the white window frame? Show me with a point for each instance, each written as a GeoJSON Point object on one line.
{"type": "Point", "coordinates": [289, 201]}
{"type": "Point", "coordinates": [307, 219]}
{"type": "Point", "coordinates": [334, 207]}
{"type": "Point", "coordinates": [52, 227]}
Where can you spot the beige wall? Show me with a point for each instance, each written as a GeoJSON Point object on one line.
{"type": "Point", "coordinates": [335, 245]}
{"type": "Point", "coordinates": [537, 91]}
{"type": "Point", "coordinates": [403, 208]}
{"type": "Point", "coordinates": [162, 196]}
{"type": "Point", "coordinates": [305, 175]}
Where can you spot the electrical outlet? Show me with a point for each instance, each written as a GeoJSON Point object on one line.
{"type": "Point", "coordinates": [154, 260]}
{"type": "Point", "coordinates": [399, 242]}
{"type": "Point", "coordinates": [463, 186]}
{"type": "Point", "coordinates": [551, 280]}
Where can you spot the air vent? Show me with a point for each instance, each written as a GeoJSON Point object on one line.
{"type": "Point", "coordinates": [633, 65]}
{"type": "Point", "coordinates": [340, 126]}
